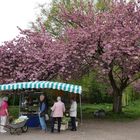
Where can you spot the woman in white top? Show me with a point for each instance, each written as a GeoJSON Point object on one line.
{"type": "Point", "coordinates": [73, 114]}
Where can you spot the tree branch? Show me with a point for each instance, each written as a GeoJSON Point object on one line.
{"type": "Point", "coordinates": [135, 79]}
{"type": "Point", "coordinates": [112, 81]}
{"type": "Point", "coordinates": [124, 84]}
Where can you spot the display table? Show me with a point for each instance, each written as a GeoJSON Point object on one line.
{"type": "Point", "coordinates": [33, 120]}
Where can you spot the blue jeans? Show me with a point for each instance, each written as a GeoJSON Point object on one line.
{"type": "Point", "coordinates": [43, 123]}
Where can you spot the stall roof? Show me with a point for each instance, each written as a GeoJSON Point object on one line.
{"type": "Point", "coordinates": [42, 85]}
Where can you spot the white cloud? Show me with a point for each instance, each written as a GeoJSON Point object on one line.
{"type": "Point", "coordinates": [15, 13]}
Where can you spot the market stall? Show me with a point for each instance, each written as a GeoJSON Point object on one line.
{"type": "Point", "coordinates": [29, 106]}
{"type": "Point", "coordinates": [28, 102]}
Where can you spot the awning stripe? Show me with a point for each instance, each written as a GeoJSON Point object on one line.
{"type": "Point", "coordinates": [42, 84]}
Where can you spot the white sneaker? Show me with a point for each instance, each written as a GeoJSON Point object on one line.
{"type": "Point", "coordinates": [3, 131]}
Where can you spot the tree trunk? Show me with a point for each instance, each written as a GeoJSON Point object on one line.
{"type": "Point", "coordinates": [117, 103]}
{"type": "Point", "coordinates": [117, 90]}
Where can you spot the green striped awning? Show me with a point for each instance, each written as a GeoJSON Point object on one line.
{"type": "Point", "coordinates": [42, 85]}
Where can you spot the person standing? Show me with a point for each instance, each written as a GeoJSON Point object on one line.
{"type": "Point", "coordinates": [58, 109]}
{"type": "Point", "coordinates": [42, 112]}
{"type": "Point", "coordinates": [73, 114]}
{"type": "Point", "coordinates": [3, 114]}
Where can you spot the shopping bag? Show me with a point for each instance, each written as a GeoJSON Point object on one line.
{"type": "Point", "coordinates": [46, 117]}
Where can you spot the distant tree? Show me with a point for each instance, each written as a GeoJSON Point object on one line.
{"type": "Point", "coordinates": [103, 5]}
{"type": "Point", "coordinates": [50, 16]}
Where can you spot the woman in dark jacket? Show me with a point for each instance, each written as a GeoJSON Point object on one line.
{"type": "Point", "coordinates": [42, 112]}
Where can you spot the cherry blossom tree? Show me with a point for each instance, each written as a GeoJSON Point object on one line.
{"type": "Point", "coordinates": [107, 41]}
{"type": "Point", "coordinates": [28, 57]}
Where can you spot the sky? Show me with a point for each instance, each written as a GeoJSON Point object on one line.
{"type": "Point", "coordinates": [15, 13]}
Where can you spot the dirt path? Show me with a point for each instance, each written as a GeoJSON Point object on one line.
{"type": "Point", "coordinates": [90, 130]}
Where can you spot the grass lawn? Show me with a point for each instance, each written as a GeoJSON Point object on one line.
{"type": "Point", "coordinates": [130, 112]}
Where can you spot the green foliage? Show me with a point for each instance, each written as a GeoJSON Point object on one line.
{"type": "Point", "coordinates": [128, 96]}
{"type": "Point", "coordinates": [93, 90]}
{"type": "Point", "coordinates": [102, 5]}
{"type": "Point", "coordinates": [53, 24]}
{"type": "Point", "coordinates": [98, 92]}
{"type": "Point", "coordinates": [14, 111]}
{"type": "Point", "coordinates": [13, 99]}
{"type": "Point", "coordinates": [50, 17]}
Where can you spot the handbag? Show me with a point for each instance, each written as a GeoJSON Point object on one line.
{"type": "Point", "coordinates": [46, 117]}
{"type": "Point", "coordinates": [42, 114]}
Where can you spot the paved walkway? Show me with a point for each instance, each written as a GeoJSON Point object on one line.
{"type": "Point", "coordinates": [89, 130]}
